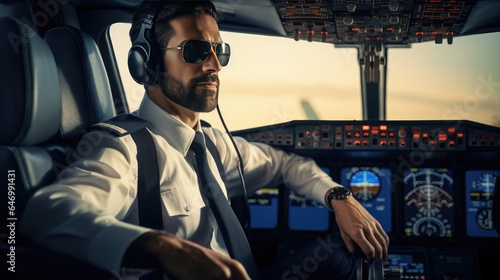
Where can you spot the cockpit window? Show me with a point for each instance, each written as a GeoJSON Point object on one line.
{"type": "Point", "coordinates": [272, 80]}
{"type": "Point", "coordinates": [446, 82]}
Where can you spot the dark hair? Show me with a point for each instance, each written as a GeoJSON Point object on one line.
{"type": "Point", "coordinates": [166, 11]}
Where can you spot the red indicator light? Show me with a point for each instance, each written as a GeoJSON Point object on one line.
{"type": "Point", "coordinates": [365, 127]}
{"type": "Point", "coordinates": [416, 135]}
{"type": "Point", "coordinates": [383, 127]}
{"type": "Point", "coordinates": [442, 137]}
{"type": "Point", "coordinates": [451, 130]}
{"type": "Point", "coordinates": [460, 135]}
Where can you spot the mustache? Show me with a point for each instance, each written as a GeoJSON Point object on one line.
{"type": "Point", "coordinates": [205, 78]}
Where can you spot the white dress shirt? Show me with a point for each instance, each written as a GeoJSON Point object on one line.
{"type": "Point", "coordinates": [90, 212]}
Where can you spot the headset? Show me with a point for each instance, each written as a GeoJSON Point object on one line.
{"type": "Point", "coordinates": [141, 59]}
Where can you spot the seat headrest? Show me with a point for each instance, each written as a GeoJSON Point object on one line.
{"type": "Point", "coordinates": [30, 100]}
{"type": "Point", "coordinates": [85, 89]}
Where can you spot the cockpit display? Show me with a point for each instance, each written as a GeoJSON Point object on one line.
{"type": "Point", "coordinates": [429, 202]}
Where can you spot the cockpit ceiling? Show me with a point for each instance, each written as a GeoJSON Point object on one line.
{"type": "Point", "coordinates": [358, 22]}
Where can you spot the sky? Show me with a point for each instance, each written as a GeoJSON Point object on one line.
{"type": "Point", "coordinates": [269, 79]}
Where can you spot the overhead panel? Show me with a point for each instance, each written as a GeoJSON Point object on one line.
{"type": "Point", "coordinates": [387, 22]}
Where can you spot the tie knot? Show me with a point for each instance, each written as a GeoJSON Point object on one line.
{"type": "Point", "coordinates": [198, 145]}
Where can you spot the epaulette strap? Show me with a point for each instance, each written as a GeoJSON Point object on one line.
{"type": "Point", "coordinates": [122, 124]}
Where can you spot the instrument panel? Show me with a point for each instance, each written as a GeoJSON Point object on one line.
{"type": "Point", "coordinates": [396, 22]}
{"type": "Point", "coordinates": [429, 183]}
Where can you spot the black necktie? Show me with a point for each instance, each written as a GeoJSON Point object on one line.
{"type": "Point", "coordinates": [232, 232]}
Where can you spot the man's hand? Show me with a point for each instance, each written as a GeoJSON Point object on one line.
{"type": "Point", "coordinates": [358, 226]}
{"type": "Point", "coordinates": [180, 258]}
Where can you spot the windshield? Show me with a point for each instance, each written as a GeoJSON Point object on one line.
{"type": "Point", "coordinates": [272, 80]}
{"type": "Point", "coordinates": [446, 82]}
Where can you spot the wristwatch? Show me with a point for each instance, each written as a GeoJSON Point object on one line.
{"type": "Point", "coordinates": [338, 193]}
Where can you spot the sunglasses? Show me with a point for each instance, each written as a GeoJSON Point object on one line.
{"type": "Point", "coordinates": [195, 51]}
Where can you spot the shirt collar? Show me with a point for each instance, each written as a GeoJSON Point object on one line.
{"type": "Point", "coordinates": [178, 134]}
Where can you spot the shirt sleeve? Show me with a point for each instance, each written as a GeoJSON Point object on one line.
{"type": "Point", "coordinates": [266, 166]}
{"type": "Point", "coordinates": [82, 213]}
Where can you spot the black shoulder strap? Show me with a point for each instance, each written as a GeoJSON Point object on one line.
{"type": "Point", "coordinates": [148, 191]}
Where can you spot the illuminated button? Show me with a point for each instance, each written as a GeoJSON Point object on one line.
{"type": "Point", "coordinates": [451, 144]}
{"type": "Point", "coordinates": [402, 133]}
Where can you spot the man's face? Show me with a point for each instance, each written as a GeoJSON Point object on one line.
{"type": "Point", "coordinates": [193, 86]}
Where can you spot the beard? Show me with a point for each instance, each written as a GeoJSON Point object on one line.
{"type": "Point", "coordinates": [187, 96]}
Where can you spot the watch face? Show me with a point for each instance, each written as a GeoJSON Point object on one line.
{"type": "Point", "coordinates": [340, 193]}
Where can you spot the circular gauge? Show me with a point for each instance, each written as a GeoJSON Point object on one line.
{"type": "Point", "coordinates": [364, 185]}
{"type": "Point", "coordinates": [429, 226]}
{"type": "Point", "coordinates": [484, 219]}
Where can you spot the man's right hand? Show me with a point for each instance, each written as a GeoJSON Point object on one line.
{"type": "Point", "coordinates": [180, 258]}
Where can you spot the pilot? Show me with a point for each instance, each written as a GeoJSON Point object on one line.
{"type": "Point", "coordinates": [91, 211]}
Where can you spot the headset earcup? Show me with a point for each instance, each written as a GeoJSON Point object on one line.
{"type": "Point", "coordinates": [138, 58]}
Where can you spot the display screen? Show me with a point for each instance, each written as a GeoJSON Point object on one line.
{"type": "Point", "coordinates": [429, 203]}
{"type": "Point", "coordinates": [371, 186]}
{"type": "Point", "coordinates": [306, 214]}
{"type": "Point", "coordinates": [479, 186]}
{"type": "Point", "coordinates": [264, 208]}
{"type": "Point", "coordinates": [405, 266]}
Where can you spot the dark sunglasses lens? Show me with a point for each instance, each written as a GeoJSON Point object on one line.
{"type": "Point", "coordinates": [196, 51]}
{"type": "Point", "coordinates": [223, 52]}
